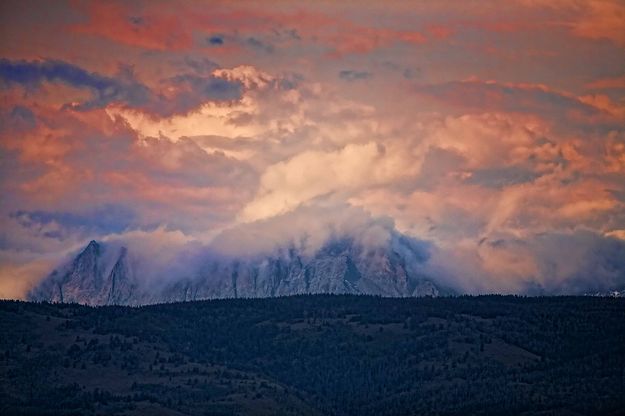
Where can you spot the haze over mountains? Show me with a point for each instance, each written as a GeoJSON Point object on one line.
{"type": "Point", "coordinates": [478, 128]}
{"type": "Point", "coordinates": [256, 261]}
{"type": "Point", "coordinates": [338, 208]}
{"type": "Point", "coordinates": [105, 274]}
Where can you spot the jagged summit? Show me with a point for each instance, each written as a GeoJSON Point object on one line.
{"type": "Point", "coordinates": [98, 275]}
{"type": "Point", "coordinates": [93, 245]}
{"type": "Point", "coordinates": [103, 275]}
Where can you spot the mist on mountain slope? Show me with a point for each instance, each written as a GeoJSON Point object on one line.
{"type": "Point", "coordinates": [162, 260]}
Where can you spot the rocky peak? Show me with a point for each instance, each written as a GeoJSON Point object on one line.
{"type": "Point", "coordinates": [96, 276]}
{"type": "Point", "coordinates": [93, 248]}
{"type": "Point", "coordinates": [120, 285]}
{"type": "Point", "coordinates": [101, 274]}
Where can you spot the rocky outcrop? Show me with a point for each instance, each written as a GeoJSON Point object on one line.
{"type": "Point", "coordinates": [98, 276]}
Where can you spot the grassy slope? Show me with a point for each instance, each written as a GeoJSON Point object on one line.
{"type": "Point", "coordinates": [316, 355]}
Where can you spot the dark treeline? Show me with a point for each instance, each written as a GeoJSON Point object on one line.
{"type": "Point", "coordinates": [317, 355]}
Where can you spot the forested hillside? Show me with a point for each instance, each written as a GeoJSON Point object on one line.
{"type": "Point", "coordinates": [316, 355]}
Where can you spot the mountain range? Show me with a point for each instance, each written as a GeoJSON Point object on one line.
{"type": "Point", "coordinates": [105, 274]}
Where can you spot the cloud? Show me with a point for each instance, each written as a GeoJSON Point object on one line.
{"type": "Point", "coordinates": [592, 19]}
{"type": "Point", "coordinates": [19, 273]}
{"type": "Point", "coordinates": [352, 38]}
{"type": "Point", "coordinates": [306, 228]}
{"type": "Point", "coordinates": [191, 91]}
{"type": "Point", "coordinates": [523, 98]}
{"type": "Point", "coordinates": [580, 262]}
{"type": "Point", "coordinates": [76, 176]}
{"type": "Point", "coordinates": [105, 89]}
{"type": "Point", "coordinates": [259, 45]}
{"type": "Point", "coordinates": [501, 164]}
{"type": "Point", "coordinates": [309, 174]}
{"type": "Point", "coordinates": [353, 75]}
{"type": "Point", "coordinates": [17, 119]}
{"type": "Point", "coordinates": [605, 103]}
{"type": "Point", "coordinates": [215, 40]}
{"type": "Point", "coordinates": [71, 170]}
{"type": "Point", "coordinates": [607, 83]}
{"type": "Point", "coordinates": [104, 219]}
{"type": "Point", "coordinates": [233, 116]}
{"type": "Point", "coordinates": [184, 92]}
{"type": "Point", "coordinates": [501, 177]}
{"type": "Point", "coordinates": [156, 28]}
{"type": "Point", "coordinates": [602, 19]}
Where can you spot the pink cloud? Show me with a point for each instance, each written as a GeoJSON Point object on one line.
{"type": "Point", "coordinates": [548, 103]}
{"type": "Point", "coordinates": [145, 27]}
{"type": "Point", "coordinates": [607, 83]}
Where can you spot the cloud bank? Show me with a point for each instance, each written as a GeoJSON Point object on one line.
{"type": "Point", "coordinates": [479, 131]}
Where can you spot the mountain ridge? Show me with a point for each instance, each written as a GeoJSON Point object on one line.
{"type": "Point", "coordinates": [102, 274]}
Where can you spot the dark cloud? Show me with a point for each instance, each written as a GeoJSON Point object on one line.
{"type": "Point", "coordinates": [136, 20]}
{"type": "Point", "coordinates": [104, 219]}
{"type": "Point", "coordinates": [288, 33]}
{"type": "Point", "coordinates": [210, 87]}
{"type": "Point", "coordinates": [105, 89]}
{"type": "Point", "coordinates": [411, 73]}
{"type": "Point", "coordinates": [124, 88]}
{"type": "Point", "coordinates": [289, 81]}
{"type": "Point", "coordinates": [406, 72]}
{"type": "Point", "coordinates": [259, 45]}
{"type": "Point", "coordinates": [618, 194]}
{"type": "Point", "coordinates": [502, 177]}
{"type": "Point", "coordinates": [18, 119]}
{"type": "Point", "coordinates": [202, 66]}
{"type": "Point", "coordinates": [24, 115]}
{"type": "Point", "coordinates": [32, 73]}
{"type": "Point", "coordinates": [353, 75]}
{"type": "Point", "coordinates": [215, 40]}
{"type": "Point", "coordinates": [193, 90]}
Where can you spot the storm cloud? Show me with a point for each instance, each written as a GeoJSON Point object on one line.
{"type": "Point", "coordinates": [183, 131]}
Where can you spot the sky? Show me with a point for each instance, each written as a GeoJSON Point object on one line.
{"type": "Point", "coordinates": [492, 131]}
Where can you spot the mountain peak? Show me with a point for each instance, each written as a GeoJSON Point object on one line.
{"type": "Point", "coordinates": [101, 275]}
{"type": "Point", "coordinates": [97, 275]}
{"type": "Point", "coordinates": [92, 248]}
{"type": "Point", "coordinates": [123, 251]}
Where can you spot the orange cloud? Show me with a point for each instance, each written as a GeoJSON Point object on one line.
{"type": "Point", "coordinates": [479, 168]}
{"type": "Point", "coordinates": [605, 103]}
{"type": "Point", "coordinates": [160, 28]}
{"type": "Point", "coordinates": [591, 19]}
{"type": "Point", "coordinates": [440, 31]}
{"type": "Point", "coordinates": [359, 39]}
{"type": "Point", "coordinates": [145, 27]}
{"type": "Point", "coordinates": [538, 99]}
{"type": "Point", "coordinates": [602, 19]}
{"type": "Point", "coordinates": [607, 83]}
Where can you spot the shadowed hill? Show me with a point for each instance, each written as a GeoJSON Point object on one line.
{"type": "Point", "coordinates": [317, 355]}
